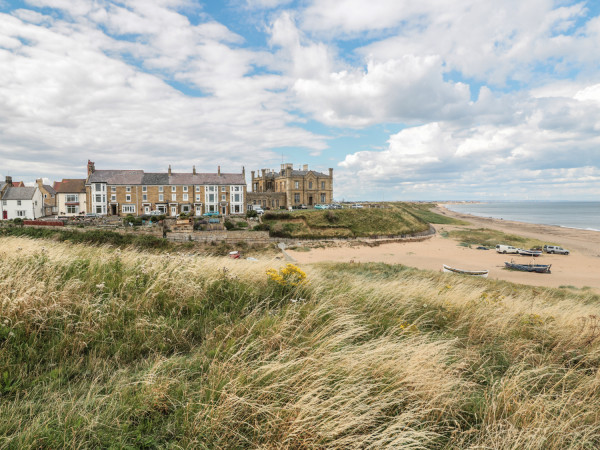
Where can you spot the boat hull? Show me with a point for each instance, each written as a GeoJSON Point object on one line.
{"type": "Point", "coordinates": [473, 273]}
{"type": "Point", "coordinates": [537, 268]}
{"type": "Point", "coordinates": [529, 252]}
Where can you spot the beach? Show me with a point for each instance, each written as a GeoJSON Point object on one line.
{"type": "Point", "coordinates": [579, 269]}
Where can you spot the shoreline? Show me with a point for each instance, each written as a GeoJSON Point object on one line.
{"type": "Point", "coordinates": [580, 269]}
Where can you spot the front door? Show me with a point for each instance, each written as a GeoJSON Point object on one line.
{"type": "Point", "coordinates": [310, 202]}
{"type": "Point", "coordinates": [224, 210]}
{"type": "Point", "coordinates": [113, 210]}
{"type": "Point", "coordinates": [173, 210]}
{"type": "Point", "coordinates": [5, 215]}
{"type": "Point", "coordinates": [146, 209]}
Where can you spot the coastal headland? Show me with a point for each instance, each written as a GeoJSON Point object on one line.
{"type": "Point", "coordinates": [580, 269]}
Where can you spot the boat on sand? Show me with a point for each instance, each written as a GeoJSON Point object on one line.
{"type": "Point", "coordinates": [530, 252]}
{"type": "Point", "coordinates": [538, 268]}
{"type": "Point", "coordinates": [475, 273]}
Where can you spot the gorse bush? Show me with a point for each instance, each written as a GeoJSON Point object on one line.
{"type": "Point", "coordinates": [101, 347]}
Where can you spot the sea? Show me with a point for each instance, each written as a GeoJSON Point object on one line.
{"type": "Point", "coordinates": [580, 215]}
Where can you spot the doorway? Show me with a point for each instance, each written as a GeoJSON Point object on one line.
{"type": "Point", "coordinates": [113, 210]}
{"type": "Point", "coordinates": [173, 211]}
{"type": "Point", "coordinates": [4, 215]}
{"type": "Point", "coordinates": [310, 200]}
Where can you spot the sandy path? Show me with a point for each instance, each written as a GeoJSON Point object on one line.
{"type": "Point", "coordinates": [581, 268]}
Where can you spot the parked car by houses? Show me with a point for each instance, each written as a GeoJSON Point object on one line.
{"type": "Point", "coordinates": [357, 206]}
{"type": "Point", "coordinates": [335, 206]}
{"type": "Point", "coordinates": [500, 248]}
{"type": "Point", "coordinates": [555, 249]}
{"type": "Point", "coordinates": [302, 207]}
{"type": "Point", "coordinates": [321, 206]}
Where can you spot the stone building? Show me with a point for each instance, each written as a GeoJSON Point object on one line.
{"type": "Point", "coordinates": [124, 192]}
{"type": "Point", "coordinates": [290, 188]}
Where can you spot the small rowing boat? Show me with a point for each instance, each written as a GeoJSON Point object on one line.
{"type": "Point", "coordinates": [539, 268]}
{"type": "Point", "coordinates": [529, 252]}
{"type": "Point", "coordinates": [474, 273]}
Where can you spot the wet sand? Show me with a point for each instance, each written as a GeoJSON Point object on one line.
{"type": "Point", "coordinates": [579, 269]}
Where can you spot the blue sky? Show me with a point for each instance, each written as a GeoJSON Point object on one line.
{"type": "Point", "coordinates": [406, 100]}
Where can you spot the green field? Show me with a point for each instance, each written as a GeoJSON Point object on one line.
{"type": "Point", "coordinates": [118, 348]}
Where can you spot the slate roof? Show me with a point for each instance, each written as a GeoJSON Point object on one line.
{"type": "Point", "coordinates": [50, 189]}
{"type": "Point", "coordinates": [69, 186]}
{"type": "Point", "coordinates": [138, 177]}
{"type": "Point", "coordinates": [303, 173]}
{"type": "Point", "coordinates": [19, 193]}
{"type": "Point", "coordinates": [2, 186]}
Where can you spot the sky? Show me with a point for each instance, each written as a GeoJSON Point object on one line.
{"type": "Point", "coordinates": [404, 99]}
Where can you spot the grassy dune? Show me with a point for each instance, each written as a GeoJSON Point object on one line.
{"type": "Point", "coordinates": [121, 348]}
{"type": "Point", "coordinates": [393, 220]}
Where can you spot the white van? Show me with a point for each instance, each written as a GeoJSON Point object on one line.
{"type": "Point", "coordinates": [506, 249]}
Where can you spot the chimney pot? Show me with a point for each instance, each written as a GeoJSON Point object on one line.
{"type": "Point", "coordinates": [219, 170]}
{"type": "Point", "coordinates": [194, 170]}
{"type": "Point", "coordinates": [170, 170]}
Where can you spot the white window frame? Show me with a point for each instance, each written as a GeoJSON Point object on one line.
{"type": "Point", "coordinates": [127, 188]}
{"type": "Point", "coordinates": [161, 189]}
{"type": "Point", "coordinates": [185, 197]}
{"type": "Point", "coordinates": [144, 188]}
{"type": "Point", "coordinates": [161, 197]}
{"type": "Point", "coordinates": [128, 209]}
{"type": "Point", "coordinates": [185, 189]}
{"type": "Point", "coordinates": [173, 197]}
{"type": "Point", "coordinates": [128, 197]}
{"type": "Point", "coordinates": [173, 188]}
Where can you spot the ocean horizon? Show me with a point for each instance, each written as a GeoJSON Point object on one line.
{"type": "Point", "coordinates": [567, 214]}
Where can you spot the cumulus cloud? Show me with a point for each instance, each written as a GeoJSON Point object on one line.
{"type": "Point", "coordinates": [538, 152]}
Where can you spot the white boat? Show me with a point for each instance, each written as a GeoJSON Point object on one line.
{"type": "Point", "coordinates": [474, 273]}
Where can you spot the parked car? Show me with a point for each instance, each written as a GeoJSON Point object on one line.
{"type": "Point", "coordinates": [91, 215]}
{"type": "Point", "coordinates": [506, 249]}
{"type": "Point", "coordinates": [302, 207]}
{"type": "Point", "coordinates": [555, 249]}
{"type": "Point", "coordinates": [321, 206]}
{"type": "Point", "coordinates": [335, 206]}
{"type": "Point", "coordinates": [357, 206]}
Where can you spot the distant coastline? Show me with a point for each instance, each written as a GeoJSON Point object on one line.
{"type": "Point", "coordinates": [574, 215]}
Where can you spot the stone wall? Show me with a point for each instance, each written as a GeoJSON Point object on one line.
{"type": "Point", "coordinates": [230, 237]}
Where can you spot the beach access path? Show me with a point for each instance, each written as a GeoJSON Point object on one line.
{"type": "Point", "coordinates": [580, 269]}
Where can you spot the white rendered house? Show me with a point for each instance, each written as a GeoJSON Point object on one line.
{"type": "Point", "coordinates": [23, 203]}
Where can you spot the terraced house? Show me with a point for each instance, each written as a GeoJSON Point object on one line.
{"type": "Point", "coordinates": [124, 192]}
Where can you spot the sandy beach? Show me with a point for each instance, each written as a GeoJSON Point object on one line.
{"type": "Point", "coordinates": [579, 269]}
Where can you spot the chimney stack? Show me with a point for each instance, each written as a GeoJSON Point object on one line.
{"type": "Point", "coordinates": [40, 182]}
{"type": "Point", "coordinates": [91, 167]}
{"type": "Point", "coordinates": [305, 167]}
{"type": "Point", "coordinates": [194, 170]}
{"type": "Point", "coordinates": [244, 172]}
{"type": "Point", "coordinates": [331, 173]}
{"type": "Point", "coordinates": [8, 180]}
{"type": "Point", "coordinates": [219, 170]}
{"type": "Point", "coordinates": [170, 170]}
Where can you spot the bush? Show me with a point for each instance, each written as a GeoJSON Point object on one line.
{"type": "Point", "coordinates": [136, 221]}
{"type": "Point", "coordinates": [262, 227]}
{"type": "Point", "coordinates": [251, 214]}
{"type": "Point", "coordinates": [277, 216]}
{"type": "Point", "coordinates": [18, 221]}
{"type": "Point", "coordinates": [242, 224]}
{"type": "Point", "coordinates": [332, 217]}
{"type": "Point", "coordinates": [229, 225]}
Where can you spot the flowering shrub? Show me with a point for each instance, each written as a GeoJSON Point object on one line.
{"type": "Point", "coordinates": [290, 275]}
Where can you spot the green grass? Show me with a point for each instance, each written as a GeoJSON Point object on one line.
{"type": "Point", "coordinates": [490, 238]}
{"type": "Point", "coordinates": [345, 223]}
{"type": "Point", "coordinates": [101, 347]}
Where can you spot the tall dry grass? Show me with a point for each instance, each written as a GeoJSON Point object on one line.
{"type": "Point", "coordinates": [102, 347]}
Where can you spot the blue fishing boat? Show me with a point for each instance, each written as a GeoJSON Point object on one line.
{"type": "Point", "coordinates": [538, 268]}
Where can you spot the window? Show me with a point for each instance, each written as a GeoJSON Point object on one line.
{"type": "Point", "coordinates": [4, 202]}
{"type": "Point", "coordinates": [185, 208]}
{"type": "Point", "coordinates": [222, 188]}
{"type": "Point", "coordinates": [211, 198]}
{"type": "Point", "coordinates": [128, 208]}
{"type": "Point", "coordinates": [161, 189]}
{"type": "Point", "coordinates": [72, 198]}
{"type": "Point", "coordinates": [113, 189]}
{"type": "Point", "coordinates": [161, 197]}
{"type": "Point", "coordinates": [185, 189]}
{"type": "Point", "coordinates": [144, 197]}
{"type": "Point", "coordinates": [236, 198]}
{"type": "Point", "coordinates": [211, 189]}
{"type": "Point", "coordinates": [128, 198]}
{"type": "Point", "coordinates": [127, 188]}
{"type": "Point", "coordinates": [21, 213]}
{"type": "Point", "coordinates": [296, 197]}
{"type": "Point", "coordinates": [98, 198]}
{"type": "Point", "coordinates": [223, 197]}
{"type": "Point", "coordinates": [197, 197]}
{"type": "Point", "coordinates": [310, 184]}
{"type": "Point", "coordinates": [197, 188]}
{"type": "Point", "coordinates": [173, 188]}
{"type": "Point", "coordinates": [98, 209]}
{"type": "Point", "coordinates": [45, 195]}
{"type": "Point", "coordinates": [144, 188]}
{"type": "Point", "coordinates": [113, 197]}
{"type": "Point", "coordinates": [322, 185]}
{"type": "Point", "coordinates": [297, 184]}
{"type": "Point", "coordinates": [98, 188]}
{"type": "Point", "coordinates": [323, 198]}
{"type": "Point", "coordinates": [18, 202]}
{"type": "Point", "coordinates": [72, 209]}
{"type": "Point", "coordinates": [174, 197]}
{"type": "Point", "coordinates": [185, 197]}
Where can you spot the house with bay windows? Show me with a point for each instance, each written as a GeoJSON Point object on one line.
{"type": "Point", "coordinates": [122, 192]}
{"type": "Point", "coordinates": [71, 199]}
